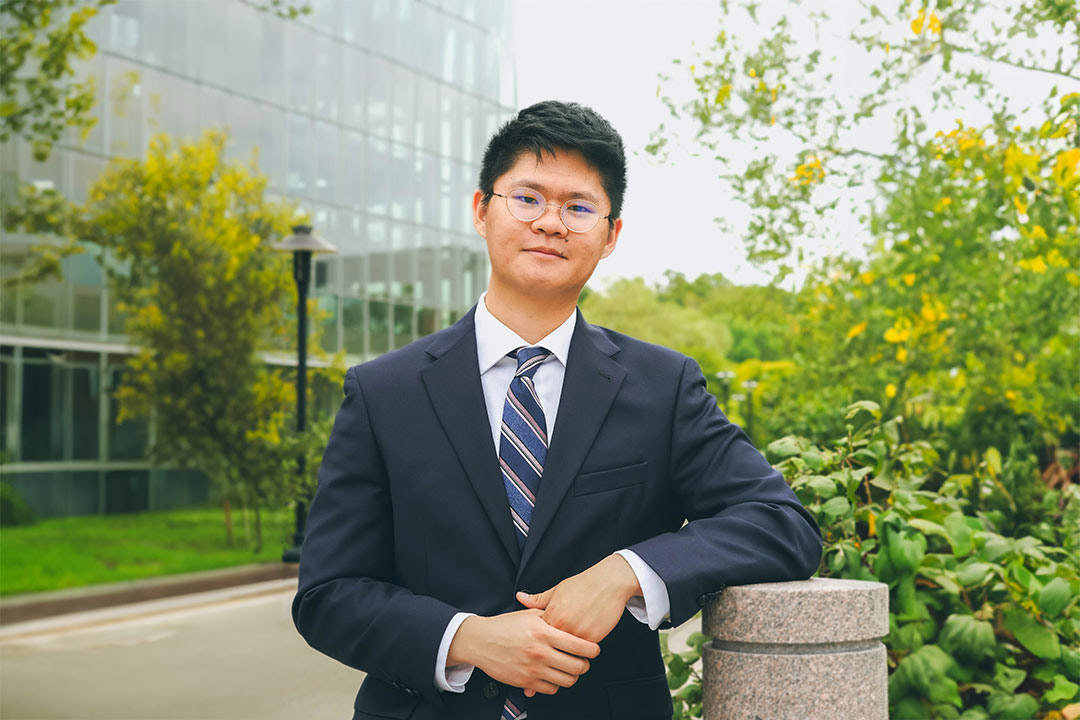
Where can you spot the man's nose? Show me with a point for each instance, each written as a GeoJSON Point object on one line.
{"type": "Point", "coordinates": [550, 221]}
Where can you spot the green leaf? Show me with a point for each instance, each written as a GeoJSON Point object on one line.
{"type": "Point", "coordinates": [993, 461]}
{"type": "Point", "coordinates": [973, 572]}
{"type": "Point", "coordinates": [822, 486]}
{"type": "Point", "coordinates": [813, 459]}
{"type": "Point", "coordinates": [1055, 596]}
{"type": "Point", "coordinates": [925, 673]}
{"type": "Point", "coordinates": [1007, 678]}
{"type": "Point", "coordinates": [1071, 660]}
{"type": "Point", "coordinates": [1012, 707]}
{"type": "Point", "coordinates": [927, 527]}
{"type": "Point", "coordinates": [1062, 690]}
{"type": "Point", "coordinates": [1040, 640]}
{"type": "Point", "coordinates": [967, 639]}
{"type": "Point", "coordinates": [906, 550]}
{"type": "Point", "coordinates": [995, 547]}
{"type": "Point", "coordinates": [959, 533]}
{"type": "Point", "coordinates": [868, 405]}
{"type": "Point", "coordinates": [835, 508]}
{"type": "Point", "coordinates": [785, 447]}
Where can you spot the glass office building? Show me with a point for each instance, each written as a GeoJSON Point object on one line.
{"type": "Point", "coordinates": [370, 114]}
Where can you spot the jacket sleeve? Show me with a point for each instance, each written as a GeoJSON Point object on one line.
{"type": "Point", "coordinates": [347, 605]}
{"type": "Point", "coordinates": [745, 524]}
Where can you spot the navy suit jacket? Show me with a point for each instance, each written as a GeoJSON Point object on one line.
{"type": "Point", "coordinates": [410, 523]}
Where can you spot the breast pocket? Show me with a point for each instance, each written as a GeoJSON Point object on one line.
{"type": "Point", "coordinates": [613, 479]}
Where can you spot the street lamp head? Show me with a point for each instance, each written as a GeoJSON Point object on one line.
{"type": "Point", "coordinates": [302, 240]}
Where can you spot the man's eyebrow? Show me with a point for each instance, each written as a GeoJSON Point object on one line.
{"type": "Point", "coordinates": [579, 194]}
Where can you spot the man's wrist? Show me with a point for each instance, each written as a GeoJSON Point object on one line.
{"type": "Point", "coordinates": [460, 647]}
{"type": "Point", "coordinates": [628, 586]}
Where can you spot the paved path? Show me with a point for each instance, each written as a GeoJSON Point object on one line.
{"type": "Point", "coordinates": [230, 654]}
{"type": "Point", "coordinates": [233, 655]}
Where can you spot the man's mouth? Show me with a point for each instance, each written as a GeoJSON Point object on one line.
{"type": "Point", "coordinates": [545, 251]}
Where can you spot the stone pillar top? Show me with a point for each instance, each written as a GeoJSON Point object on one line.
{"type": "Point", "coordinates": [814, 611]}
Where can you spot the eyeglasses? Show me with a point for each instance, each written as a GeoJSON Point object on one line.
{"type": "Point", "coordinates": [526, 205]}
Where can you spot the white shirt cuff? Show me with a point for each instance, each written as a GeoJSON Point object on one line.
{"type": "Point", "coordinates": [451, 679]}
{"type": "Point", "coordinates": [653, 605]}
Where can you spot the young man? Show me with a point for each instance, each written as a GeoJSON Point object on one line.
{"type": "Point", "coordinates": [494, 498]}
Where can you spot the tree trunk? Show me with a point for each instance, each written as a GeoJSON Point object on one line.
{"type": "Point", "coordinates": [258, 531]}
{"type": "Point", "coordinates": [228, 524]}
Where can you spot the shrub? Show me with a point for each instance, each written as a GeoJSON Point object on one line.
{"type": "Point", "coordinates": [13, 509]}
{"type": "Point", "coordinates": [981, 624]}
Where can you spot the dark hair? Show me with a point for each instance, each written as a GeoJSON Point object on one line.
{"type": "Point", "coordinates": [548, 127]}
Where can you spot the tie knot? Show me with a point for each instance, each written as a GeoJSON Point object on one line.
{"type": "Point", "coordinates": [529, 359]}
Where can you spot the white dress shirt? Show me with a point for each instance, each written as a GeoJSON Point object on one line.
{"type": "Point", "coordinates": [493, 341]}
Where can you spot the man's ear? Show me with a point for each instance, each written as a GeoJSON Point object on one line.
{"type": "Point", "coordinates": [479, 213]}
{"type": "Point", "coordinates": [612, 238]}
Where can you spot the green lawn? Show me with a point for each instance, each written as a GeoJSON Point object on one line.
{"type": "Point", "coordinates": [58, 553]}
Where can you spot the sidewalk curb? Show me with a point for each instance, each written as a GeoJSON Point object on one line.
{"type": "Point", "coordinates": [32, 606]}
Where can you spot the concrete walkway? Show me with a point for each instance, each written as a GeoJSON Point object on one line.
{"type": "Point", "coordinates": [223, 654]}
{"type": "Point", "coordinates": [231, 654]}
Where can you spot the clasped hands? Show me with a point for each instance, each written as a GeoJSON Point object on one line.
{"type": "Point", "coordinates": [548, 644]}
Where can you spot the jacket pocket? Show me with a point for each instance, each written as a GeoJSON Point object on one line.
{"type": "Point", "coordinates": [379, 699]}
{"type": "Point", "coordinates": [644, 699]}
{"type": "Point", "coordinates": [612, 479]}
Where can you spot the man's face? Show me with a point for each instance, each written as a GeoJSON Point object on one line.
{"type": "Point", "coordinates": [543, 258]}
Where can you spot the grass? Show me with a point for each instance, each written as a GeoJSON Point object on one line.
{"type": "Point", "coordinates": [57, 553]}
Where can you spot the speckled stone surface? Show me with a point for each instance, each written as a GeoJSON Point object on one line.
{"type": "Point", "coordinates": [798, 650]}
{"type": "Point", "coordinates": [819, 610]}
{"type": "Point", "coordinates": [833, 686]}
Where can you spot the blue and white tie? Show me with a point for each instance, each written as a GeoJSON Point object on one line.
{"type": "Point", "coordinates": [523, 444]}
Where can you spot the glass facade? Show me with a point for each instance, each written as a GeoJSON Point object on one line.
{"type": "Point", "coordinates": [370, 115]}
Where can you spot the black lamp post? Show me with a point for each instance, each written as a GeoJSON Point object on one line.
{"type": "Point", "coordinates": [302, 244]}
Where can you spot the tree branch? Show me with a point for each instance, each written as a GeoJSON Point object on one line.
{"type": "Point", "coordinates": [1012, 63]}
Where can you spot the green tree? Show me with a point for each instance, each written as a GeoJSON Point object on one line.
{"type": "Point", "coordinates": [39, 39]}
{"type": "Point", "coordinates": [964, 312]}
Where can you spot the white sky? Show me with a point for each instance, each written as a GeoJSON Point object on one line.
{"type": "Point", "coordinates": [608, 53]}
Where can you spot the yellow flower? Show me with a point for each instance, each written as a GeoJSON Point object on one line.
{"type": "Point", "coordinates": [935, 23]}
{"type": "Point", "coordinates": [1073, 279]}
{"type": "Point", "coordinates": [1038, 265]}
{"type": "Point", "coordinates": [856, 330]}
{"type": "Point", "coordinates": [1066, 166]}
{"type": "Point", "coordinates": [867, 277]}
{"type": "Point", "coordinates": [1010, 395]}
{"type": "Point", "coordinates": [890, 391]}
{"type": "Point", "coordinates": [901, 354]}
{"type": "Point", "coordinates": [753, 72]}
{"type": "Point", "coordinates": [918, 22]}
{"type": "Point", "coordinates": [772, 120]}
{"type": "Point", "coordinates": [1037, 233]}
{"type": "Point", "coordinates": [1055, 258]}
{"type": "Point", "coordinates": [871, 529]}
{"type": "Point", "coordinates": [909, 279]}
{"type": "Point", "coordinates": [1018, 356]}
{"type": "Point", "coordinates": [1021, 206]}
{"type": "Point", "coordinates": [897, 336]}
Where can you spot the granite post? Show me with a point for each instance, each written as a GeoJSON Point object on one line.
{"type": "Point", "coordinates": [806, 649]}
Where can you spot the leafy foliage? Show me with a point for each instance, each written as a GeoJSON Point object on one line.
{"type": "Point", "coordinates": [38, 41]}
{"type": "Point", "coordinates": [981, 624]}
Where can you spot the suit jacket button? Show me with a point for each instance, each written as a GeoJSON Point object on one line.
{"type": "Point", "coordinates": [491, 691]}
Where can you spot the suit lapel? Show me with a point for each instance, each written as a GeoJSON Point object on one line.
{"type": "Point", "coordinates": [453, 385]}
{"type": "Point", "coordinates": [589, 387]}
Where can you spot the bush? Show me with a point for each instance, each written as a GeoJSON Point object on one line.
{"type": "Point", "coordinates": [13, 509]}
{"type": "Point", "coordinates": [981, 624]}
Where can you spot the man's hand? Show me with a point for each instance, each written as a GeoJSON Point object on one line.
{"type": "Point", "coordinates": [589, 604]}
{"type": "Point", "coordinates": [520, 649]}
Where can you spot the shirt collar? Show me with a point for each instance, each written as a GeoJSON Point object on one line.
{"type": "Point", "coordinates": [494, 340]}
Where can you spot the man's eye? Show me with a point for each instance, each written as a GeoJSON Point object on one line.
{"type": "Point", "coordinates": [580, 209]}
{"type": "Point", "coordinates": [526, 199]}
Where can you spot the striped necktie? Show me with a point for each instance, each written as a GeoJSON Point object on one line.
{"type": "Point", "coordinates": [523, 440]}
{"type": "Point", "coordinates": [523, 444]}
